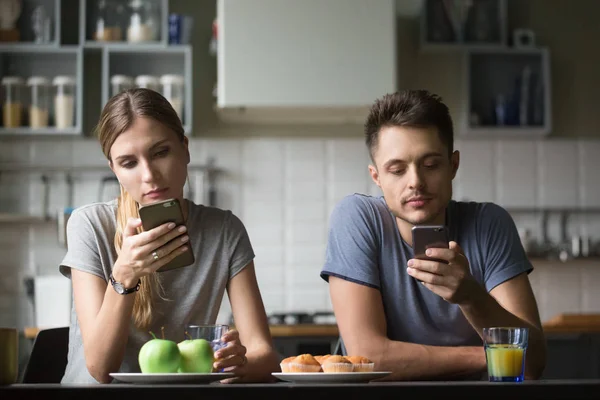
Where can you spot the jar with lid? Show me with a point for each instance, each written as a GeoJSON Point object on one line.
{"type": "Point", "coordinates": [148, 82]}
{"type": "Point", "coordinates": [120, 83]}
{"type": "Point", "coordinates": [172, 90]}
{"type": "Point", "coordinates": [140, 27]}
{"type": "Point", "coordinates": [64, 101]}
{"type": "Point", "coordinates": [39, 106]}
{"type": "Point", "coordinates": [109, 21]}
{"type": "Point", "coordinates": [12, 109]}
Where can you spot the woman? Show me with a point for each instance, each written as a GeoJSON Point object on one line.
{"type": "Point", "coordinates": [144, 142]}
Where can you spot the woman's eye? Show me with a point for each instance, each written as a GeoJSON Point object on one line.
{"type": "Point", "coordinates": [129, 164]}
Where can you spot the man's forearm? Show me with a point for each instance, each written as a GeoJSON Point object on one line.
{"type": "Point", "coordinates": [484, 311]}
{"type": "Point", "coordinates": [409, 361]}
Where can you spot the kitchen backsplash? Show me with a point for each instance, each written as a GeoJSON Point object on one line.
{"type": "Point", "coordinates": [284, 189]}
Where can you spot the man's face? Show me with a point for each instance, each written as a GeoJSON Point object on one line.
{"type": "Point", "coordinates": [413, 170]}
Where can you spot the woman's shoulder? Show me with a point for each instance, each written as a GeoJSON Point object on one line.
{"type": "Point", "coordinates": [96, 213]}
{"type": "Point", "coordinates": [212, 214]}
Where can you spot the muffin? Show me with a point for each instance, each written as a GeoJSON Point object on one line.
{"type": "Point", "coordinates": [320, 359]}
{"type": "Point", "coordinates": [285, 363]}
{"type": "Point", "coordinates": [361, 364]}
{"type": "Point", "coordinates": [333, 364]}
{"type": "Point", "coordinates": [304, 363]}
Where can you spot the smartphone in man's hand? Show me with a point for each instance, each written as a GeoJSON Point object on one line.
{"type": "Point", "coordinates": [429, 236]}
{"type": "Point", "coordinates": [156, 214]}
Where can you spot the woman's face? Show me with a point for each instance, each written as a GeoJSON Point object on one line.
{"type": "Point", "coordinates": [150, 161]}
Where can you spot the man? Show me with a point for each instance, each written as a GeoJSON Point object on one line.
{"type": "Point", "coordinates": [424, 319]}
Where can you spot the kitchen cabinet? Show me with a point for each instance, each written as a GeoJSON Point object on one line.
{"type": "Point", "coordinates": [75, 48]}
{"type": "Point", "coordinates": [508, 92]}
{"type": "Point", "coordinates": [307, 59]}
{"type": "Point", "coordinates": [462, 24]}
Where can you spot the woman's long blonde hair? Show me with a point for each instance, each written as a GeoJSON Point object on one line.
{"type": "Point", "coordinates": [117, 116]}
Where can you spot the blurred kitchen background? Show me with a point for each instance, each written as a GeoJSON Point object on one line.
{"type": "Point", "coordinates": [273, 94]}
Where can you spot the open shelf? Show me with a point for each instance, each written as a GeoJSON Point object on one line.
{"type": "Point", "coordinates": [476, 24]}
{"type": "Point", "coordinates": [508, 92]}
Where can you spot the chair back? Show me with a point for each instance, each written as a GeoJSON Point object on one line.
{"type": "Point", "coordinates": [48, 359]}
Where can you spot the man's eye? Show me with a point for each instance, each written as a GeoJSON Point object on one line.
{"type": "Point", "coordinates": [161, 153]}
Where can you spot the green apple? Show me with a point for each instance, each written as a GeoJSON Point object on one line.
{"type": "Point", "coordinates": [197, 356]}
{"type": "Point", "coordinates": [159, 356]}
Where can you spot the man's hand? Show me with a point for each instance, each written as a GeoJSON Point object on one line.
{"type": "Point", "coordinates": [453, 281]}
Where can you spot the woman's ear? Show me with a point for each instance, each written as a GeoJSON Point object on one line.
{"type": "Point", "coordinates": [186, 144]}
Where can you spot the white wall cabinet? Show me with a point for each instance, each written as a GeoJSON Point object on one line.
{"type": "Point", "coordinates": [303, 54]}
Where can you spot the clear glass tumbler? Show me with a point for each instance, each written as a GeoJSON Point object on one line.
{"type": "Point", "coordinates": [505, 349]}
{"type": "Point", "coordinates": [211, 333]}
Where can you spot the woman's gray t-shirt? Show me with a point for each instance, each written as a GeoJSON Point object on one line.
{"type": "Point", "coordinates": [221, 247]}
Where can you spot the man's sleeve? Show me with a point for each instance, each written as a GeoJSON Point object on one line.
{"type": "Point", "coordinates": [505, 257]}
{"type": "Point", "coordinates": [352, 245]}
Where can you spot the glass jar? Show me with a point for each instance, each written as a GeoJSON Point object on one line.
{"type": "Point", "coordinates": [172, 90]}
{"type": "Point", "coordinates": [64, 101]}
{"type": "Point", "coordinates": [148, 82]}
{"type": "Point", "coordinates": [12, 110]}
{"type": "Point", "coordinates": [120, 83]}
{"type": "Point", "coordinates": [39, 107]}
{"type": "Point", "coordinates": [140, 27]}
{"type": "Point", "coordinates": [109, 21]}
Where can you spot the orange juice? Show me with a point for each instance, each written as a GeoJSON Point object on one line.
{"type": "Point", "coordinates": [505, 362]}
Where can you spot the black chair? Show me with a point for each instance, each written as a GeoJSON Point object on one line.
{"type": "Point", "coordinates": [48, 358]}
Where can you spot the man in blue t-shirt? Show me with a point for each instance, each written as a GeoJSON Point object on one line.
{"type": "Point", "coordinates": [424, 319]}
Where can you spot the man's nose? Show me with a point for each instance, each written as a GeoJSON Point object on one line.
{"type": "Point", "coordinates": [415, 177]}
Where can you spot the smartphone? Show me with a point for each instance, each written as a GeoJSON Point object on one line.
{"type": "Point", "coordinates": [429, 236]}
{"type": "Point", "coordinates": [155, 214]}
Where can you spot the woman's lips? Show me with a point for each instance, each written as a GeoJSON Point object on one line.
{"type": "Point", "coordinates": [156, 194]}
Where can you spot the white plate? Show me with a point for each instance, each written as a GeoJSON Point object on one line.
{"type": "Point", "coordinates": [328, 377]}
{"type": "Point", "coordinates": [134, 377]}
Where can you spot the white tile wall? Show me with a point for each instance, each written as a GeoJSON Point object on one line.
{"type": "Point", "coordinates": [284, 190]}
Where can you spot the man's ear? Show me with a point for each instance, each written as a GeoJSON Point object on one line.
{"type": "Point", "coordinates": [374, 174]}
{"type": "Point", "coordinates": [455, 161]}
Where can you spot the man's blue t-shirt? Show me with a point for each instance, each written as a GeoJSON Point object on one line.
{"type": "Point", "coordinates": [365, 246]}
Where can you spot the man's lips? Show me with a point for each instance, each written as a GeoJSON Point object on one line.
{"type": "Point", "coordinates": [417, 201]}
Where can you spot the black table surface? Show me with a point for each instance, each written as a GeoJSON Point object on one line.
{"type": "Point", "coordinates": [542, 389]}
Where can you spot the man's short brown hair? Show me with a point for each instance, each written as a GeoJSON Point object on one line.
{"type": "Point", "coordinates": [413, 108]}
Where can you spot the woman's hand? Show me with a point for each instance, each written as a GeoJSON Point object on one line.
{"type": "Point", "coordinates": [232, 357]}
{"type": "Point", "coordinates": [143, 253]}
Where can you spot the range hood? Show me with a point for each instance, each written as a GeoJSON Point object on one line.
{"type": "Point", "coordinates": [309, 61]}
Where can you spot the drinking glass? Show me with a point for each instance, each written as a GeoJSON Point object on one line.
{"type": "Point", "coordinates": [211, 333]}
{"type": "Point", "coordinates": [505, 349]}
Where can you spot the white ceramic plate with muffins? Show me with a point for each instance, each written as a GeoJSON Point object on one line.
{"type": "Point", "coordinates": [336, 377]}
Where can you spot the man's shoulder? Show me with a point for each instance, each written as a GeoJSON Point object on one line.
{"type": "Point", "coordinates": [361, 201]}
{"type": "Point", "coordinates": [479, 209]}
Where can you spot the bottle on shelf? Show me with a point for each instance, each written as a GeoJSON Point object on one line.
{"type": "Point", "coordinates": [39, 108]}
{"type": "Point", "coordinates": [172, 89]}
{"type": "Point", "coordinates": [148, 82]}
{"type": "Point", "coordinates": [64, 101]}
{"type": "Point", "coordinates": [120, 83]}
{"type": "Point", "coordinates": [12, 110]}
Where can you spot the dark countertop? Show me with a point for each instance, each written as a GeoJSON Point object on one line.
{"type": "Point", "coordinates": [531, 390]}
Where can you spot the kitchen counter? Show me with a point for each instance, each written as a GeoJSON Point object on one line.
{"type": "Point", "coordinates": [563, 323]}
{"type": "Point", "coordinates": [531, 390]}
{"type": "Point", "coordinates": [313, 330]}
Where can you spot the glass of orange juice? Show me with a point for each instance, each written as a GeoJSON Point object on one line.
{"type": "Point", "coordinates": [505, 349]}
